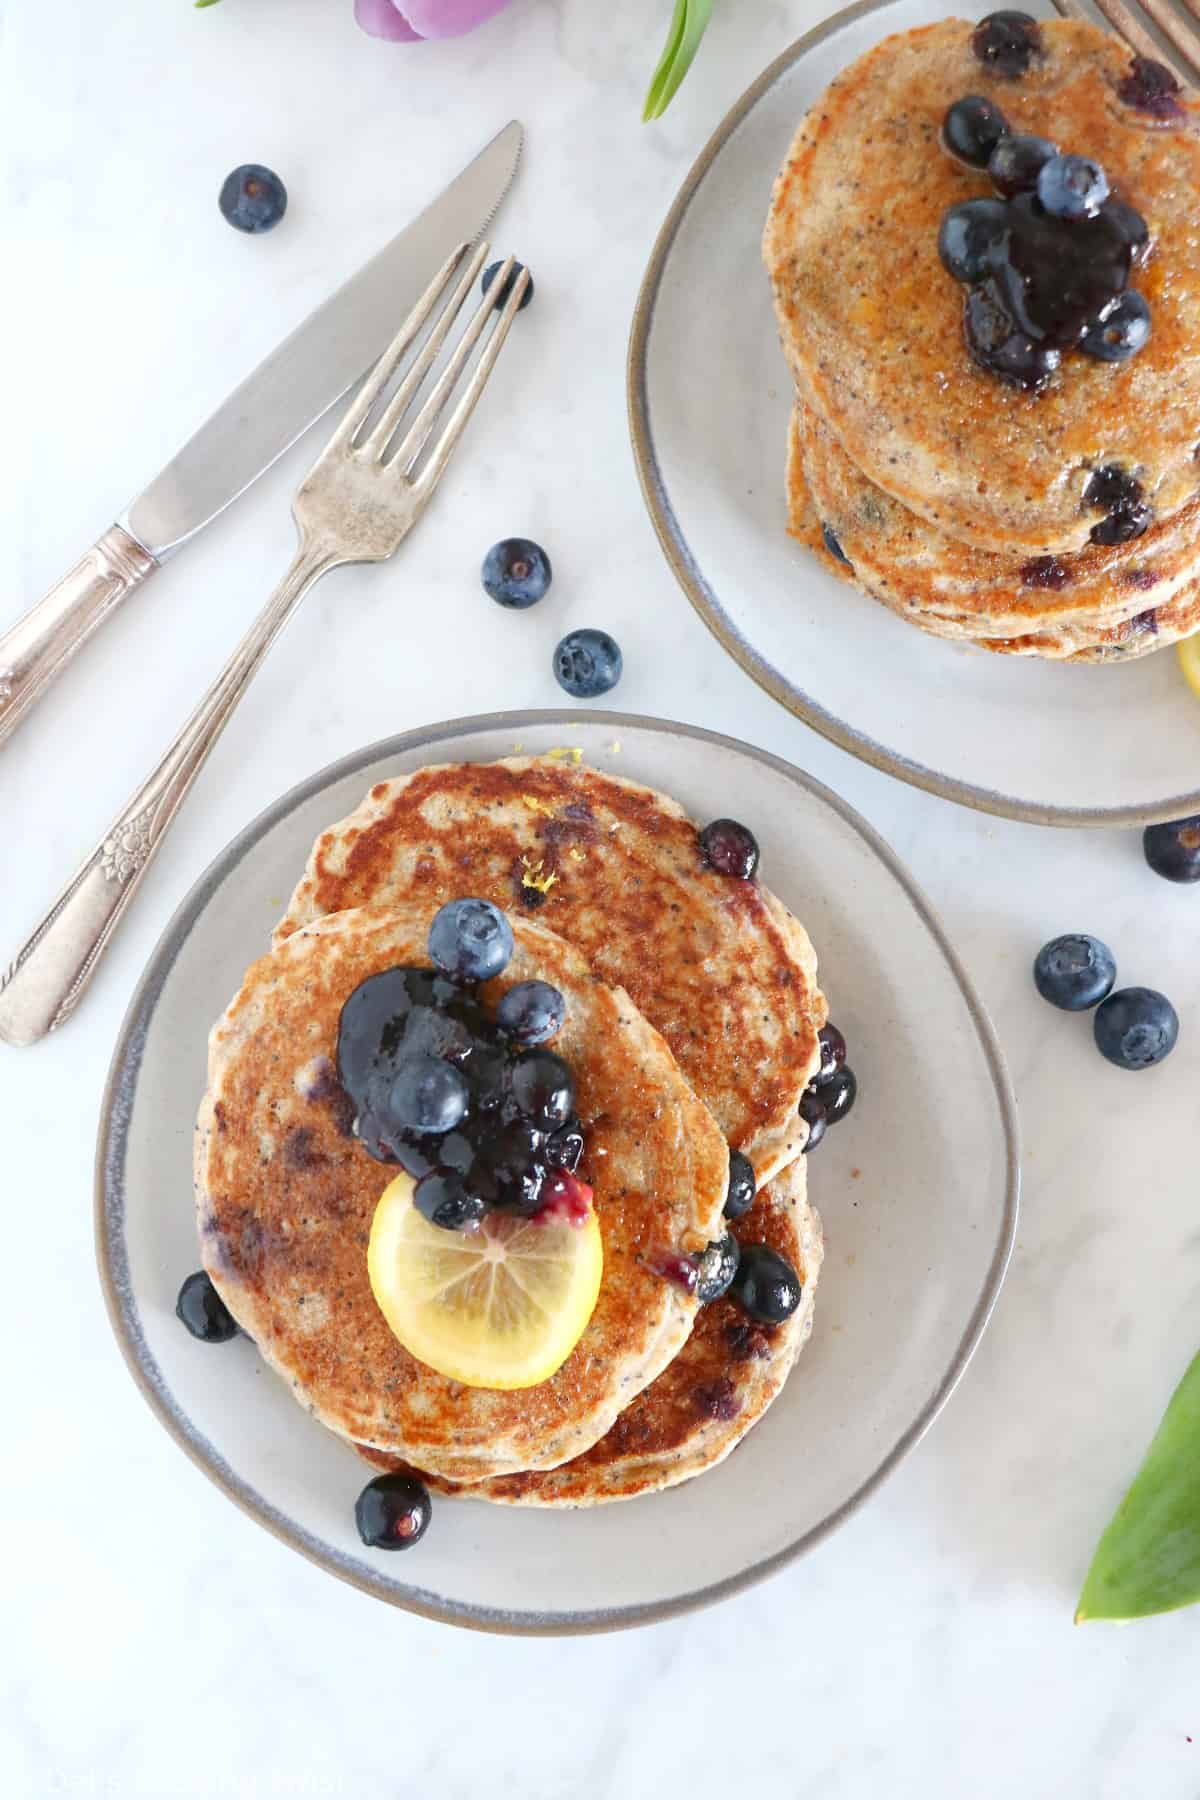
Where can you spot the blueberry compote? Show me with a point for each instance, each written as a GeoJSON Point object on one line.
{"type": "Point", "coordinates": [481, 1119]}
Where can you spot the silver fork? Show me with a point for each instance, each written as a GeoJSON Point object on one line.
{"type": "Point", "coordinates": [1183, 38]}
{"type": "Point", "coordinates": [358, 503]}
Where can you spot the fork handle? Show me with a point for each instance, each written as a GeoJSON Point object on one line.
{"type": "Point", "coordinates": [41, 644]}
{"type": "Point", "coordinates": [43, 985]}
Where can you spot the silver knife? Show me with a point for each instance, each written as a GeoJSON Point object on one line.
{"type": "Point", "coordinates": [262, 418]}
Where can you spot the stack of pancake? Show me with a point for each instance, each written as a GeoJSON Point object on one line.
{"type": "Point", "coordinates": [692, 1014]}
{"type": "Point", "coordinates": [960, 502]}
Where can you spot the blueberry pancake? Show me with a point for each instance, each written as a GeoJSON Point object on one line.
{"type": "Point", "coordinates": [1004, 406]}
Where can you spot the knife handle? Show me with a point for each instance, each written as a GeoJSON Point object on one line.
{"type": "Point", "coordinates": [40, 645]}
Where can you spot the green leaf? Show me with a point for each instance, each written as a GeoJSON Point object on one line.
{"type": "Point", "coordinates": [1148, 1561]}
{"type": "Point", "coordinates": [683, 40]}
{"type": "Point", "coordinates": [204, 2]}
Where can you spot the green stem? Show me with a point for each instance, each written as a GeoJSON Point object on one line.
{"type": "Point", "coordinates": [688, 24]}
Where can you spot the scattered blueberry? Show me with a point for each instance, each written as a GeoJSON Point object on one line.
{"type": "Point", "coordinates": [490, 274]}
{"type": "Point", "coordinates": [203, 1311]}
{"type": "Point", "coordinates": [253, 198]}
{"type": "Point", "coordinates": [392, 1512]}
{"type": "Point", "coordinates": [531, 1012]}
{"type": "Point", "coordinates": [1152, 88]}
{"type": "Point", "coordinates": [812, 1111]}
{"type": "Point", "coordinates": [1045, 572]}
{"type": "Point", "coordinates": [444, 1199]}
{"type": "Point", "coordinates": [516, 573]}
{"type": "Point", "coordinates": [587, 663]}
{"type": "Point", "coordinates": [832, 1046]}
{"type": "Point", "coordinates": [1136, 1028]}
{"type": "Point", "coordinates": [1120, 495]}
{"type": "Point", "coordinates": [837, 1094]}
{"type": "Point", "coordinates": [833, 544]}
{"type": "Point", "coordinates": [766, 1285]}
{"type": "Point", "coordinates": [972, 128]}
{"type": "Point", "coordinates": [1122, 332]}
{"type": "Point", "coordinates": [428, 1095]}
{"type": "Point", "coordinates": [471, 940]}
{"type": "Point", "coordinates": [1072, 187]}
{"type": "Point", "coordinates": [1074, 971]}
{"type": "Point", "coordinates": [729, 848]}
{"type": "Point", "coordinates": [1017, 161]}
{"type": "Point", "coordinates": [716, 1267]}
{"type": "Point", "coordinates": [1007, 42]}
{"type": "Point", "coordinates": [968, 233]}
{"type": "Point", "coordinates": [543, 1088]}
{"type": "Point", "coordinates": [743, 1185]}
{"type": "Point", "coordinates": [1173, 851]}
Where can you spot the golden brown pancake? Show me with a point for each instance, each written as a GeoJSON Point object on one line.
{"type": "Point", "coordinates": [871, 323]}
{"type": "Point", "coordinates": [285, 1199]}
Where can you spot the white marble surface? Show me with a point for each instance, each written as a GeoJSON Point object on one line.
{"type": "Point", "coordinates": [155, 1641]}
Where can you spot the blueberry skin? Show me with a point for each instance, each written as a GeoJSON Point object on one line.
{"type": "Point", "coordinates": [543, 1088]}
{"type": "Point", "coordinates": [730, 848]}
{"type": "Point", "coordinates": [716, 1267]}
{"type": "Point", "coordinates": [1072, 187]}
{"type": "Point", "coordinates": [393, 1512]}
{"type": "Point", "coordinates": [516, 573]}
{"type": "Point", "coordinates": [587, 663]}
{"type": "Point", "coordinates": [837, 1093]}
{"type": "Point", "coordinates": [1074, 971]}
{"type": "Point", "coordinates": [743, 1185]}
{"type": "Point", "coordinates": [1136, 1028]}
{"type": "Point", "coordinates": [428, 1095]}
{"type": "Point", "coordinates": [1123, 331]}
{"type": "Point", "coordinates": [832, 1046]}
{"type": "Point", "coordinates": [812, 1111]}
{"type": "Point", "coordinates": [766, 1285]}
{"type": "Point", "coordinates": [1017, 161]}
{"type": "Point", "coordinates": [1007, 42]}
{"type": "Point", "coordinates": [1173, 850]}
{"type": "Point", "coordinates": [967, 234]}
{"type": "Point", "coordinates": [252, 198]}
{"type": "Point", "coordinates": [203, 1311]}
{"type": "Point", "coordinates": [531, 1012]}
{"type": "Point", "coordinates": [490, 274]}
{"type": "Point", "coordinates": [972, 128]}
{"type": "Point", "coordinates": [445, 1200]}
{"type": "Point", "coordinates": [471, 939]}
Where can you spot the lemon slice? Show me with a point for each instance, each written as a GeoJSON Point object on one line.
{"type": "Point", "coordinates": [1188, 653]}
{"type": "Point", "coordinates": [499, 1306]}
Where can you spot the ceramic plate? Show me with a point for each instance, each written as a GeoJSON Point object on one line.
{"type": "Point", "coordinates": [918, 1190]}
{"type": "Point", "coordinates": [709, 401]}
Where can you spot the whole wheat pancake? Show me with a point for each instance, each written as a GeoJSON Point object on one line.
{"type": "Point", "coordinates": [913, 567]}
{"type": "Point", "coordinates": [285, 1198]}
{"type": "Point", "coordinates": [871, 323]}
{"type": "Point", "coordinates": [719, 966]}
{"type": "Point", "coordinates": [704, 1403]}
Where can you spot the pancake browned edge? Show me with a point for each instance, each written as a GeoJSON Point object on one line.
{"type": "Point", "coordinates": [716, 964]}
{"type": "Point", "coordinates": [706, 1400]}
{"type": "Point", "coordinates": [285, 1198]}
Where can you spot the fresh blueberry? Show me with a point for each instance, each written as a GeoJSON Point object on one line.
{"type": "Point", "coordinates": [968, 233]}
{"type": "Point", "coordinates": [1173, 851]}
{"type": "Point", "coordinates": [1007, 42]}
{"type": "Point", "coordinates": [837, 1093]}
{"type": "Point", "coordinates": [392, 1512]}
{"type": "Point", "coordinates": [587, 663]}
{"type": "Point", "coordinates": [428, 1095]}
{"type": "Point", "coordinates": [1152, 88]}
{"type": "Point", "coordinates": [471, 939]}
{"type": "Point", "coordinates": [445, 1199]}
{"type": "Point", "coordinates": [766, 1285]}
{"type": "Point", "coordinates": [1072, 187]}
{"type": "Point", "coordinates": [490, 274]}
{"type": "Point", "coordinates": [743, 1185]}
{"type": "Point", "coordinates": [543, 1088]}
{"type": "Point", "coordinates": [1017, 161]}
{"type": "Point", "coordinates": [253, 198]}
{"type": "Point", "coordinates": [203, 1311]}
{"type": "Point", "coordinates": [812, 1111]}
{"type": "Point", "coordinates": [1074, 971]}
{"type": "Point", "coordinates": [531, 1012]}
{"type": "Point", "coordinates": [516, 573]}
{"type": "Point", "coordinates": [1000, 347]}
{"type": "Point", "coordinates": [972, 128]}
{"type": "Point", "coordinates": [1136, 1028]}
{"type": "Point", "coordinates": [716, 1267]}
{"type": "Point", "coordinates": [832, 1046]}
{"type": "Point", "coordinates": [564, 1147]}
{"type": "Point", "coordinates": [1122, 332]}
{"type": "Point", "coordinates": [833, 544]}
{"type": "Point", "coordinates": [730, 848]}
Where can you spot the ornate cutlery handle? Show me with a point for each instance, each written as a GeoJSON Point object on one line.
{"type": "Point", "coordinates": [44, 984]}
{"type": "Point", "coordinates": [40, 645]}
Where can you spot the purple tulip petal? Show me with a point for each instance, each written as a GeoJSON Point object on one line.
{"type": "Point", "coordinates": [382, 20]}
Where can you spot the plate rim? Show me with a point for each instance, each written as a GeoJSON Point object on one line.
{"type": "Point", "coordinates": [686, 569]}
{"type": "Point", "coordinates": [109, 1192]}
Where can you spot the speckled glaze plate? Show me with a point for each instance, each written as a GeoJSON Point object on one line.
{"type": "Point", "coordinates": [918, 1190]}
{"type": "Point", "coordinates": [709, 401]}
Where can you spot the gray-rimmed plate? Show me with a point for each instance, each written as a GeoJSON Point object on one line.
{"type": "Point", "coordinates": [709, 400]}
{"type": "Point", "coordinates": [918, 1190]}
